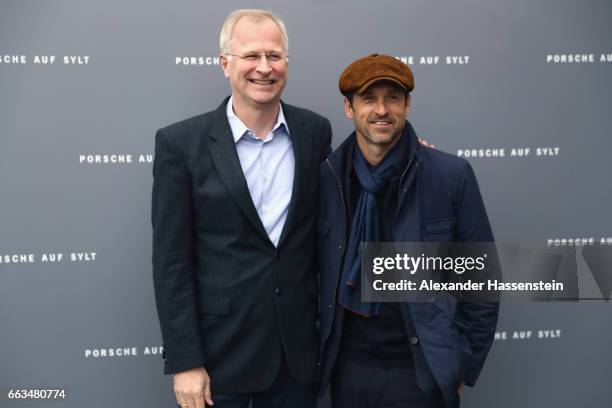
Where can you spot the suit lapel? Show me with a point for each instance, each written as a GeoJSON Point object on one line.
{"type": "Point", "coordinates": [302, 152]}
{"type": "Point", "coordinates": [225, 158]}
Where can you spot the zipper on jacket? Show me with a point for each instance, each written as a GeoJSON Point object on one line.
{"type": "Point", "coordinates": [399, 189]}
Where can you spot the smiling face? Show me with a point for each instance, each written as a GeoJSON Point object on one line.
{"type": "Point", "coordinates": [379, 114]}
{"type": "Point", "coordinates": [256, 84]}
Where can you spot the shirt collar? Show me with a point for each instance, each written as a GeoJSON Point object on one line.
{"type": "Point", "coordinates": [239, 128]}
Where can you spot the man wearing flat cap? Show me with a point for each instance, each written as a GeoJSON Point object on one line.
{"type": "Point", "coordinates": [381, 185]}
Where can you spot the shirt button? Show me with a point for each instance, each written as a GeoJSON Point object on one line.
{"type": "Point", "coordinates": [277, 291]}
{"type": "Point", "coordinates": [414, 340]}
{"type": "Point", "coordinates": [331, 306]}
{"type": "Point", "coordinates": [339, 246]}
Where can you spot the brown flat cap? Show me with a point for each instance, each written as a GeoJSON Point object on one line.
{"type": "Point", "coordinates": [365, 71]}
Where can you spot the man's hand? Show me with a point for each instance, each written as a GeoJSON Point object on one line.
{"type": "Point", "coordinates": [192, 388]}
{"type": "Point", "coordinates": [425, 143]}
{"type": "Point", "coordinates": [461, 387]}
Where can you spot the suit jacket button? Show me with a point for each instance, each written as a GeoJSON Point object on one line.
{"type": "Point", "coordinates": [277, 291]}
{"type": "Point", "coordinates": [414, 340]}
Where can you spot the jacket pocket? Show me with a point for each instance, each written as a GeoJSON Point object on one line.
{"type": "Point", "coordinates": [459, 337]}
{"type": "Point", "coordinates": [442, 230]}
{"type": "Point", "coordinates": [215, 304]}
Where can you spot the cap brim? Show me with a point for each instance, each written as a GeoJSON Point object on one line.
{"type": "Point", "coordinates": [373, 80]}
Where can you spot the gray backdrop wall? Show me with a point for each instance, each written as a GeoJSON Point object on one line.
{"type": "Point", "coordinates": [521, 88]}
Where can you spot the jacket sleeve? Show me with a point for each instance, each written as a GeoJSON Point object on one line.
{"type": "Point", "coordinates": [480, 318]}
{"type": "Point", "coordinates": [173, 257]}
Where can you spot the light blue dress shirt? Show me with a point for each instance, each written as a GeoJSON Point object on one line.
{"type": "Point", "coordinates": [268, 166]}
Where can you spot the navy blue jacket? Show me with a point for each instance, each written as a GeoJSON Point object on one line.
{"type": "Point", "coordinates": [439, 201]}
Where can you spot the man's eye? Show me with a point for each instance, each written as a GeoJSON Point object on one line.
{"type": "Point", "coordinates": [251, 57]}
{"type": "Point", "coordinates": [273, 56]}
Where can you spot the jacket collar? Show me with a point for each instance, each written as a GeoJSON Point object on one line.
{"type": "Point", "coordinates": [222, 149]}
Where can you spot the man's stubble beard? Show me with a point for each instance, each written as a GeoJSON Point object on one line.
{"type": "Point", "coordinates": [367, 137]}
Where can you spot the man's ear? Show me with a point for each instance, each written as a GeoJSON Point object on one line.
{"type": "Point", "coordinates": [224, 65]}
{"type": "Point", "coordinates": [408, 105]}
{"type": "Point", "coordinates": [348, 109]}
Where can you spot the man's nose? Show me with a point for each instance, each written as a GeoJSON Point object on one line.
{"type": "Point", "coordinates": [263, 66]}
{"type": "Point", "coordinates": [381, 108]}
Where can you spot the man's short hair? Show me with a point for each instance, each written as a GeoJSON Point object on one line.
{"type": "Point", "coordinates": [253, 15]}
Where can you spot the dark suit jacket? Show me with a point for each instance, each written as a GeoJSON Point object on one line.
{"type": "Point", "coordinates": [227, 298]}
{"type": "Point", "coordinates": [439, 201]}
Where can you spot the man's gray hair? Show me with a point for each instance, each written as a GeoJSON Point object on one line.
{"type": "Point", "coordinates": [253, 15]}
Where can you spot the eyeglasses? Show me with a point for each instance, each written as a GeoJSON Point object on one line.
{"type": "Point", "coordinates": [255, 56]}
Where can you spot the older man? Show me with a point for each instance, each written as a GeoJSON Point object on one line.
{"type": "Point", "coordinates": [233, 213]}
{"type": "Point", "coordinates": [381, 185]}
